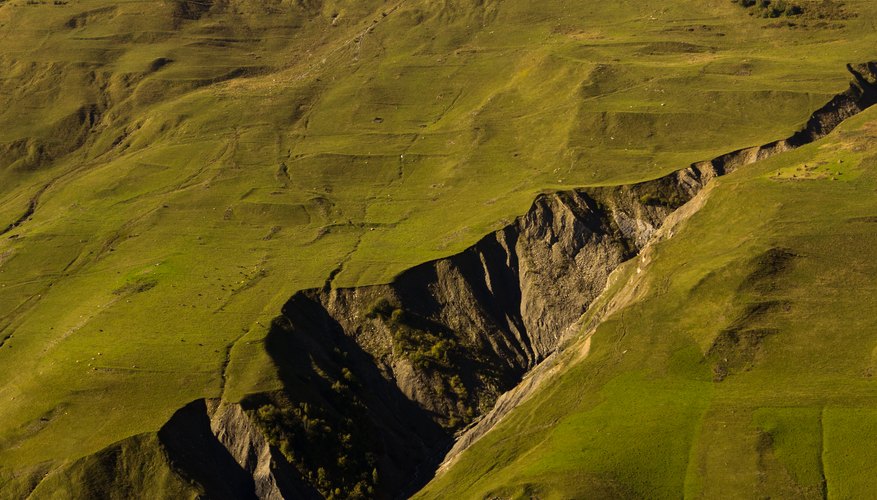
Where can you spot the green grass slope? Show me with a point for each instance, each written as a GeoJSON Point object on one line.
{"type": "Point", "coordinates": [742, 366]}
{"type": "Point", "coordinates": [171, 172]}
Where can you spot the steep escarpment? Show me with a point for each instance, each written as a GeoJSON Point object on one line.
{"type": "Point", "coordinates": [416, 360]}
{"type": "Point", "coordinates": [421, 358]}
{"type": "Point", "coordinates": [454, 334]}
{"type": "Point", "coordinates": [492, 312]}
{"type": "Point", "coordinates": [378, 381]}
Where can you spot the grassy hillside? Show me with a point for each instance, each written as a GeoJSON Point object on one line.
{"type": "Point", "coordinates": [742, 366]}
{"type": "Point", "coordinates": [171, 172]}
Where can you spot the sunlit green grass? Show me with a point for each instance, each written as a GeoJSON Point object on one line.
{"type": "Point", "coordinates": [643, 415]}
{"type": "Point", "coordinates": [403, 145]}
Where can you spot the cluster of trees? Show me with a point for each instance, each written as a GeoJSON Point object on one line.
{"type": "Point", "coordinates": [771, 8]}
{"type": "Point", "coordinates": [425, 347]}
{"type": "Point", "coordinates": [331, 452]}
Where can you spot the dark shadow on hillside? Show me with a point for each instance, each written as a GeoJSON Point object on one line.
{"type": "Point", "coordinates": [326, 374]}
{"type": "Point", "coordinates": [198, 455]}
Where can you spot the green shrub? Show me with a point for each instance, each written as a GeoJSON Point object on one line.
{"type": "Point", "coordinates": [457, 386]}
{"type": "Point", "coordinates": [382, 308]}
{"type": "Point", "coordinates": [332, 456]}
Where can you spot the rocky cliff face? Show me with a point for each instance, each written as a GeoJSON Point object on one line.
{"type": "Point", "coordinates": [418, 359]}
{"type": "Point", "coordinates": [379, 380]}
{"type": "Point", "coordinates": [454, 334]}
{"type": "Point", "coordinates": [492, 312]}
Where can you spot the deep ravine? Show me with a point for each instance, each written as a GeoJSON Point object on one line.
{"type": "Point", "coordinates": [379, 381]}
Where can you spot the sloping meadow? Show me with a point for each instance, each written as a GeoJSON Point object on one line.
{"type": "Point", "coordinates": [173, 173]}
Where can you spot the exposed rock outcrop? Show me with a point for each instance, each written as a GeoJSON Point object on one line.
{"type": "Point", "coordinates": [378, 379]}
{"type": "Point", "coordinates": [456, 333]}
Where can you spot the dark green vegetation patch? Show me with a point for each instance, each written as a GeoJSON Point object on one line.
{"type": "Point", "coordinates": [771, 8]}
